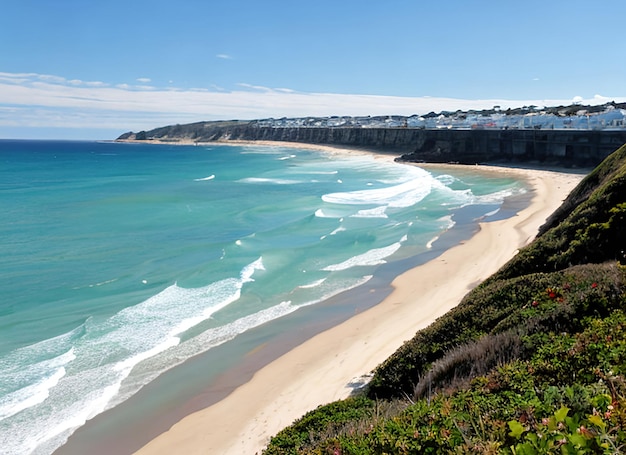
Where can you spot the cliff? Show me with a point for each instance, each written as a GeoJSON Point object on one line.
{"type": "Point", "coordinates": [570, 148]}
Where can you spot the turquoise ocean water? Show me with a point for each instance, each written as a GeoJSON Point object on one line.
{"type": "Point", "coordinates": [120, 261]}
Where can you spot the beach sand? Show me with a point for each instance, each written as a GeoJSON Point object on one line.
{"type": "Point", "coordinates": [328, 366]}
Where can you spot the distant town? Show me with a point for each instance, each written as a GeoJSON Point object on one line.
{"type": "Point", "coordinates": [610, 116]}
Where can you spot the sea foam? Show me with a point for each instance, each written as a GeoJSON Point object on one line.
{"type": "Point", "coordinates": [377, 212]}
{"type": "Point", "coordinates": [405, 194]}
{"type": "Point", "coordinates": [82, 382]}
{"type": "Point", "coordinates": [375, 256]}
{"type": "Point", "coordinates": [267, 180]}
{"type": "Point", "coordinates": [34, 382]}
{"type": "Point", "coordinates": [210, 177]}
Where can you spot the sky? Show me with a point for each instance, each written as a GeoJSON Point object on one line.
{"type": "Point", "coordinates": [76, 69]}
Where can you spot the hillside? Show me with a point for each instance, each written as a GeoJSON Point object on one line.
{"type": "Point", "coordinates": [533, 360]}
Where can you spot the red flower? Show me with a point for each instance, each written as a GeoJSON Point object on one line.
{"type": "Point", "coordinates": [551, 293]}
{"type": "Point", "coordinates": [594, 285]}
{"type": "Point", "coordinates": [535, 303]}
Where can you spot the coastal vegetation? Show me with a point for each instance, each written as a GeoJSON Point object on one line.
{"type": "Point", "coordinates": [531, 361]}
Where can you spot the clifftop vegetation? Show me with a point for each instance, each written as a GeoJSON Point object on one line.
{"type": "Point", "coordinates": [531, 361]}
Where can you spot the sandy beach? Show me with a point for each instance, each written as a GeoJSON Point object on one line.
{"type": "Point", "coordinates": [326, 367]}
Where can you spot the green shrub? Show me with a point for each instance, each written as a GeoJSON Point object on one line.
{"type": "Point", "coordinates": [499, 307]}
{"type": "Point", "coordinates": [309, 429]}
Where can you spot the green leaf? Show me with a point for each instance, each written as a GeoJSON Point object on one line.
{"type": "Point", "coordinates": [597, 421]}
{"type": "Point", "coordinates": [525, 449]}
{"type": "Point", "coordinates": [532, 438]}
{"type": "Point", "coordinates": [552, 424]}
{"type": "Point", "coordinates": [561, 414]}
{"type": "Point", "coordinates": [517, 429]}
{"type": "Point", "coordinates": [577, 440]}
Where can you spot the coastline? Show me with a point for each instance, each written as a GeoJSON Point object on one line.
{"type": "Point", "coordinates": [330, 365]}
{"type": "Point", "coordinates": [330, 149]}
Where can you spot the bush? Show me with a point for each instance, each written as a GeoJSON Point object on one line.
{"type": "Point", "coordinates": [522, 304]}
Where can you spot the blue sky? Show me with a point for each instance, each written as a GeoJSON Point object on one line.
{"type": "Point", "coordinates": [93, 70]}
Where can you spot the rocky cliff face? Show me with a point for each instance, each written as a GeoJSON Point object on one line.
{"type": "Point", "coordinates": [580, 148]}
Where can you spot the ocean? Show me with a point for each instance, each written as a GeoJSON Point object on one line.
{"type": "Point", "coordinates": [120, 261]}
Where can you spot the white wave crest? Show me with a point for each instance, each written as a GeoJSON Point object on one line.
{"type": "Point", "coordinates": [378, 212]}
{"type": "Point", "coordinates": [403, 195]}
{"type": "Point", "coordinates": [372, 257]}
{"type": "Point", "coordinates": [430, 243]}
{"type": "Point", "coordinates": [313, 284]}
{"type": "Point", "coordinates": [265, 180]}
{"type": "Point", "coordinates": [492, 212]}
{"type": "Point", "coordinates": [499, 196]}
{"type": "Point", "coordinates": [329, 213]}
{"type": "Point", "coordinates": [155, 325]}
{"type": "Point", "coordinates": [48, 372]}
{"type": "Point", "coordinates": [248, 271]}
{"type": "Point", "coordinates": [321, 172]}
{"type": "Point", "coordinates": [46, 411]}
{"type": "Point", "coordinates": [338, 230]}
{"type": "Point", "coordinates": [446, 179]}
{"type": "Point", "coordinates": [351, 284]}
{"type": "Point", "coordinates": [446, 222]}
{"type": "Point", "coordinates": [200, 343]}
{"type": "Point", "coordinates": [210, 177]}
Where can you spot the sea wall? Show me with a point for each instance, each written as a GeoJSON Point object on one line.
{"type": "Point", "coordinates": [572, 148]}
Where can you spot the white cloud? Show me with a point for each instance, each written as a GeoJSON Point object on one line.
{"type": "Point", "coordinates": [599, 99]}
{"type": "Point", "coordinates": [224, 56]}
{"type": "Point", "coordinates": [52, 79]}
{"type": "Point", "coordinates": [18, 75]}
{"type": "Point", "coordinates": [30, 100]}
{"type": "Point", "coordinates": [96, 84]}
{"type": "Point", "coordinates": [144, 80]}
{"type": "Point", "coordinates": [32, 78]}
{"type": "Point", "coordinates": [285, 90]}
{"type": "Point", "coordinates": [254, 87]}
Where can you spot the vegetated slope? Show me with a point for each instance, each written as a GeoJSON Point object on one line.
{"type": "Point", "coordinates": [531, 361]}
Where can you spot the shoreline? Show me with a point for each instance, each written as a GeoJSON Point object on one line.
{"type": "Point", "coordinates": [327, 366]}
{"type": "Point", "coordinates": [331, 149]}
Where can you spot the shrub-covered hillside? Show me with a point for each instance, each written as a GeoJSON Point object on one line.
{"type": "Point", "coordinates": [531, 361]}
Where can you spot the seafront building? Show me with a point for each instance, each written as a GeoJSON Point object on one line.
{"type": "Point", "coordinates": [609, 116]}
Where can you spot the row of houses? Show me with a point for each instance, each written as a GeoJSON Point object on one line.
{"type": "Point", "coordinates": [610, 118]}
